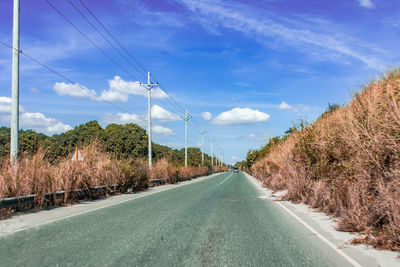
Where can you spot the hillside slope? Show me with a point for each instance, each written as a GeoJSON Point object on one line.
{"type": "Point", "coordinates": [347, 164]}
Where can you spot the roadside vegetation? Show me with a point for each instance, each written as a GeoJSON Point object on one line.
{"type": "Point", "coordinates": [346, 163]}
{"type": "Point", "coordinates": [116, 155]}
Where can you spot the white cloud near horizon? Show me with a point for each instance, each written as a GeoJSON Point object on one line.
{"type": "Point", "coordinates": [206, 115]}
{"type": "Point", "coordinates": [31, 120]}
{"type": "Point", "coordinates": [297, 108]}
{"type": "Point", "coordinates": [141, 120]}
{"type": "Point", "coordinates": [284, 106]}
{"type": "Point", "coordinates": [119, 91]}
{"type": "Point", "coordinates": [162, 114]}
{"type": "Point", "coordinates": [294, 32]}
{"type": "Point", "coordinates": [366, 3]}
{"type": "Point", "coordinates": [239, 116]}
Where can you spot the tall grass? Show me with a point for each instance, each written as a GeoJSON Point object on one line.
{"type": "Point", "coordinates": [35, 175]}
{"type": "Point", "coordinates": [347, 164]}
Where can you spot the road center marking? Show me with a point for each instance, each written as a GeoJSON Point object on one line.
{"type": "Point", "coordinates": [225, 179]}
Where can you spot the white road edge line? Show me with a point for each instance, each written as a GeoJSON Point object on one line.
{"type": "Point", "coordinates": [113, 204]}
{"type": "Point", "coordinates": [326, 241]}
{"type": "Point", "coordinates": [225, 179]}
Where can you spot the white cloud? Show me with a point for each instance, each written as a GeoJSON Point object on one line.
{"type": "Point", "coordinates": [39, 122]}
{"type": "Point", "coordinates": [162, 114]}
{"type": "Point", "coordinates": [119, 91]}
{"type": "Point", "coordinates": [313, 38]}
{"type": "Point", "coordinates": [285, 106]}
{"type": "Point", "coordinates": [297, 108]}
{"type": "Point", "coordinates": [113, 96]}
{"type": "Point", "coordinates": [31, 120]}
{"type": "Point", "coordinates": [241, 116]}
{"type": "Point", "coordinates": [5, 105]}
{"type": "Point", "coordinates": [366, 3]}
{"type": "Point", "coordinates": [133, 88]}
{"type": "Point", "coordinates": [161, 131]}
{"type": "Point", "coordinates": [74, 90]}
{"type": "Point", "coordinates": [123, 118]}
{"type": "Point", "coordinates": [206, 116]}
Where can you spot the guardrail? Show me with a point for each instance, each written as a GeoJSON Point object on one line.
{"type": "Point", "coordinates": [29, 199]}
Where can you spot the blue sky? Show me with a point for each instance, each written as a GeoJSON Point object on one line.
{"type": "Point", "coordinates": [246, 70]}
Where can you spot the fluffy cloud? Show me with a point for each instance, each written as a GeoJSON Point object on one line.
{"type": "Point", "coordinates": [5, 105]}
{"type": "Point", "coordinates": [123, 118]}
{"type": "Point", "coordinates": [284, 106]}
{"type": "Point", "coordinates": [74, 90]}
{"type": "Point", "coordinates": [41, 123]}
{"type": "Point", "coordinates": [240, 116]}
{"type": "Point", "coordinates": [366, 3]}
{"type": "Point", "coordinates": [162, 131]}
{"type": "Point", "coordinates": [31, 120]}
{"type": "Point", "coordinates": [133, 88]}
{"type": "Point", "coordinates": [297, 108]}
{"type": "Point", "coordinates": [119, 91]}
{"type": "Point", "coordinates": [206, 115]}
{"type": "Point", "coordinates": [162, 114]}
{"type": "Point", "coordinates": [113, 96]}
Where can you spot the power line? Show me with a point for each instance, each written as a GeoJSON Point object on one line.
{"type": "Point", "coordinates": [169, 97]}
{"type": "Point", "coordinates": [102, 35]}
{"type": "Point", "coordinates": [93, 43]}
{"type": "Point", "coordinates": [171, 100]}
{"type": "Point", "coordinates": [163, 90]}
{"type": "Point", "coordinates": [112, 36]}
{"type": "Point", "coordinates": [71, 81]}
{"type": "Point", "coordinates": [63, 76]}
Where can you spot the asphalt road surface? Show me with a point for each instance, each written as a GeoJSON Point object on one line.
{"type": "Point", "coordinates": [221, 221]}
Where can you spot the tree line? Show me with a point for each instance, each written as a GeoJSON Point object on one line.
{"type": "Point", "coordinates": [120, 141]}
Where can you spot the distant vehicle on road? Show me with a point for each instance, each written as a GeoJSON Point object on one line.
{"type": "Point", "coordinates": [235, 169]}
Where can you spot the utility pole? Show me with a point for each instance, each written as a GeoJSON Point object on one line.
{"type": "Point", "coordinates": [212, 161]}
{"type": "Point", "coordinates": [186, 118]}
{"type": "Point", "coordinates": [15, 87]}
{"type": "Point", "coordinates": [202, 145]}
{"type": "Point", "coordinates": [149, 86]}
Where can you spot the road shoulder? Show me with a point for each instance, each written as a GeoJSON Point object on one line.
{"type": "Point", "coordinates": [325, 226]}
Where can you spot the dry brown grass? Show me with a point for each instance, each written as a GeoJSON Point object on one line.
{"type": "Point", "coordinates": [164, 171]}
{"type": "Point", "coordinates": [187, 173]}
{"type": "Point", "coordinates": [347, 164]}
{"type": "Point", "coordinates": [35, 175]}
{"type": "Point", "coordinates": [219, 169]}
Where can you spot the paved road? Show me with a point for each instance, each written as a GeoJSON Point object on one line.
{"type": "Point", "coordinates": [219, 221]}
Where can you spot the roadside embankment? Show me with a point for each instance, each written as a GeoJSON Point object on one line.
{"type": "Point", "coordinates": [347, 164]}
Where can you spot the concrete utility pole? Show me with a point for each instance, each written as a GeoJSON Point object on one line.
{"type": "Point", "coordinates": [212, 161]}
{"type": "Point", "coordinates": [15, 87]}
{"type": "Point", "coordinates": [186, 118]}
{"type": "Point", "coordinates": [149, 86]}
{"type": "Point", "coordinates": [202, 145]}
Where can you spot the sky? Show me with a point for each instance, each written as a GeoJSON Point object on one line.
{"type": "Point", "coordinates": [246, 70]}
